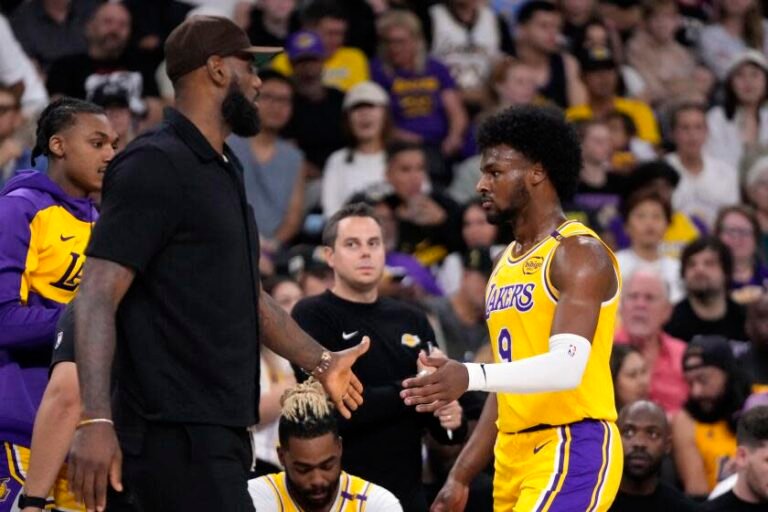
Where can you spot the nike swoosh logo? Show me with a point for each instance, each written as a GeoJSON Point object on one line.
{"type": "Point", "coordinates": [348, 336]}
{"type": "Point", "coordinates": [536, 449]}
{"type": "Point", "coordinates": [66, 238]}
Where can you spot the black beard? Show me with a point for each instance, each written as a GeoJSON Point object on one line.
{"type": "Point", "coordinates": [239, 113]}
{"type": "Point", "coordinates": [718, 412]}
{"type": "Point", "coordinates": [501, 217]}
{"type": "Point", "coordinates": [737, 389]}
{"type": "Point", "coordinates": [650, 472]}
{"type": "Point", "coordinates": [706, 295]}
{"type": "Point", "coordinates": [306, 504]}
{"type": "Point", "coordinates": [518, 201]}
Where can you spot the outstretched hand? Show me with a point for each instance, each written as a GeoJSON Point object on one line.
{"type": "Point", "coordinates": [431, 392]}
{"type": "Point", "coordinates": [341, 384]}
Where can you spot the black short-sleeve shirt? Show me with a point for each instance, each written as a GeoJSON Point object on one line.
{"type": "Point", "coordinates": [174, 211]}
{"type": "Point", "coordinates": [383, 439]}
{"type": "Point", "coordinates": [64, 347]}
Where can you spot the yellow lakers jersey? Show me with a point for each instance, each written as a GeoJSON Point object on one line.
{"type": "Point", "coordinates": [520, 306]}
{"type": "Point", "coordinates": [56, 254]}
{"type": "Point", "coordinates": [352, 495]}
{"type": "Point", "coordinates": [716, 444]}
{"type": "Point", "coordinates": [43, 236]}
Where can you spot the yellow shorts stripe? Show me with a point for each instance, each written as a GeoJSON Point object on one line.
{"type": "Point", "coordinates": [563, 469]}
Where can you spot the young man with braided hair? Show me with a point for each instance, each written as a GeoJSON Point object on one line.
{"type": "Point", "coordinates": [45, 225]}
{"type": "Point", "coordinates": [310, 450]}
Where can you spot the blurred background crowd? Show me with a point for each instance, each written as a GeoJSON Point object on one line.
{"type": "Point", "coordinates": [379, 100]}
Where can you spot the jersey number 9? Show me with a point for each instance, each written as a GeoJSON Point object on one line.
{"type": "Point", "coordinates": [505, 345]}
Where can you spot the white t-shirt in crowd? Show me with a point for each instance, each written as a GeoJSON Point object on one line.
{"type": "Point", "coordinates": [703, 194]}
{"type": "Point", "coordinates": [15, 66]}
{"type": "Point", "coordinates": [668, 268]}
{"type": "Point", "coordinates": [264, 437]}
{"type": "Point", "coordinates": [724, 141]}
{"type": "Point", "coordinates": [344, 176]}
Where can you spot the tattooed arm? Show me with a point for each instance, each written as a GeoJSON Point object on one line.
{"type": "Point", "coordinates": [283, 335]}
{"type": "Point", "coordinates": [95, 457]}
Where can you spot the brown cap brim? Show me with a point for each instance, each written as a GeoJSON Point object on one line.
{"type": "Point", "coordinates": [263, 54]}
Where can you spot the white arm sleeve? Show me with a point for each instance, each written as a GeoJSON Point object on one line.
{"type": "Point", "coordinates": [559, 369]}
{"type": "Point", "coordinates": [381, 500]}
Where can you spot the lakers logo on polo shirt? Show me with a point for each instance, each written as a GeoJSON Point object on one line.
{"type": "Point", "coordinates": [410, 340]}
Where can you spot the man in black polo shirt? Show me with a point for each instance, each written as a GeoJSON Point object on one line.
{"type": "Point", "coordinates": [382, 442]}
{"type": "Point", "coordinates": [171, 282]}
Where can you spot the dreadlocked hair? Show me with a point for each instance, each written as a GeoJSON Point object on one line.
{"type": "Point", "coordinates": [306, 413]}
{"type": "Point", "coordinates": [57, 116]}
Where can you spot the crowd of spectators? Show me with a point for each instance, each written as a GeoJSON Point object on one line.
{"type": "Point", "coordinates": [378, 101]}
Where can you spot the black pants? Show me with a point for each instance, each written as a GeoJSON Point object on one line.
{"type": "Point", "coordinates": [184, 467]}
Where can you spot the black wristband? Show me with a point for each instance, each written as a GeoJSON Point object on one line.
{"type": "Point", "coordinates": [32, 501]}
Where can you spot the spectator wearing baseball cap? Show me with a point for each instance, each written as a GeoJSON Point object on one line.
{"type": "Point", "coordinates": [317, 107]}
{"type": "Point", "coordinates": [362, 162]}
{"type": "Point", "coordinates": [189, 377]}
{"type": "Point", "coordinates": [600, 73]}
{"type": "Point", "coordinates": [343, 66]}
{"type": "Point", "coordinates": [739, 127]}
{"type": "Point", "coordinates": [124, 109]}
{"type": "Point", "coordinates": [704, 432]}
{"type": "Point", "coordinates": [306, 264]}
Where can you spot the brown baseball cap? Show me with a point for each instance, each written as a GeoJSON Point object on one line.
{"type": "Point", "coordinates": [197, 38]}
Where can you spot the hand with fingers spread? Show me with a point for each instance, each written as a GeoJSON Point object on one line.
{"type": "Point", "coordinates": [431, 392]}
{"type": "Point", "coordinates": [95, 461]}
{"type": "Point", "coordinates": [341, 384]}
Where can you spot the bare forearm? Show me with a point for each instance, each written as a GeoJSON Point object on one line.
{"type": "Point", "coordinates": [457, 116]}
{"type": "Point", "coordinates": [94, 348]}
{"type": "Point", "coordinates": [282, 335]}
{"type": "Point", "coordinates": [292, 221]}
{"type": "Point", "coordinates": [479, 449]}
{"type": "Point", "coordinates": [54, 429]}
{"type": "Point", "coordinates": [289, 227]}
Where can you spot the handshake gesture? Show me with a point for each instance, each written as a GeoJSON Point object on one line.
{"type": "Point", "coordinates": [434, 389]}
{"type": "Point", "coordinates": [440, 381]}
